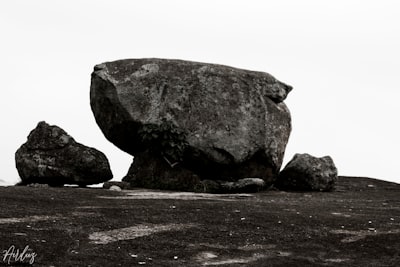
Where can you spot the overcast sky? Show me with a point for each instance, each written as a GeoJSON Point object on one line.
{"type": "Point", "coordinates": [342, 58]}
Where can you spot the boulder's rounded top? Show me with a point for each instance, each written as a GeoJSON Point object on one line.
{"type": "Point", "coordinates": [128, 70]}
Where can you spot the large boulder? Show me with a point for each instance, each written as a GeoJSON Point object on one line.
{"type": "Point", "coordinates": [308, 173]}
{"type": "Point", "coordinates": [51, 156]}
{"type": "Point", "coordinates": [187, 121]}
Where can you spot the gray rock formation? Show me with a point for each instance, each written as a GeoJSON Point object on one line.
{"type": "Point", "coordinates": [51, 156]}
{"type": "Point", "coordinates": [186, 121]}
{"type": "Point", "coordinates": [307, 173]}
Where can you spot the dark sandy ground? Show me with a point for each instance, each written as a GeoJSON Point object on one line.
{"type": "Point", "coordinates": [357, 225]}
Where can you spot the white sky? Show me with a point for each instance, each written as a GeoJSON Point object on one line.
{"type": "Point", "coordinates": [342, 58]}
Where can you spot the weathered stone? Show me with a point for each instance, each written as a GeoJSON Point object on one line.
{"type": "Point", "coordinates": [245, 185]}
{"type": "Point", "coordinates": [115, 188]}
{"type": "Point", "coordinates": [307, 173]}
{"type": "Point", "coordinates": [191, 121]}
{"type": "Point", "coordinates": [51, 156]}
{"type": "Point", "coordinates": [248, 185]}
{"type": "Point", "coordinates": [122, 185]}
{"type": "Point", "coordinates": [35, 185]}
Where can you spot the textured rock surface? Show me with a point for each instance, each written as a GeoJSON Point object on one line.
{"type": "Point", "coordinates": [307, 173]}
{"type": "Point", "coordinates": [195, 120]}
{"type": "Point", "coordinates": [51, 156]}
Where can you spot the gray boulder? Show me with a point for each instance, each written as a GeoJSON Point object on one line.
{"type": "Point", "coordinates": [51, 156]}
{"type": "Point", "coordinates": [307, 173]}
{"type": "Point", "coordinates": [187, 121]}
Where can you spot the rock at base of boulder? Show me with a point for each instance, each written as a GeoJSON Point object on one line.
{"type": "Point", "coordinates": [153, 171]}
{"type": "Point", "coordinates": [122, 185]}
{"type": "Point", "coordinates": [307, 173]}
{"type": "Point", "coordinates": [115, 188]}
{"type": "Point", "coordinates": [38, 185]}
{"type": "Point", "coordinates": [149, 171]}
{"type": "Point", "coordinates": [245, 185]}
{"type": "Point", "coordinates": [51, 156]}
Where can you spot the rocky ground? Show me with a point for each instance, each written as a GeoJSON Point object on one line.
{"type": "Point", "coordinates": [356, 225]}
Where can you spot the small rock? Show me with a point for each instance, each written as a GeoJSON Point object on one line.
{"type": "Point", "coordinates": [249, 185]}
{"type": "Point", "coordinates": [122, 185]}
{"type": "Point", "coordinates": [115, 188]}
{"type": "Point", "coordinates": [307, 173]}
{"type": "Point", "coordinates": [245, 185]}
{"type": "Point", "coordinates": [36, 185]}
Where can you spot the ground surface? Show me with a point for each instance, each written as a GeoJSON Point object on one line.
{"type": "Point", "coordinates": [357, 225]}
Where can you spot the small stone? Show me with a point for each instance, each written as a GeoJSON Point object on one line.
{"type": "Point", "coordinates": [308, 173]}
{"type": "Point", "coordinates": [245, 185]}
{"type": "Point", "coordinates": [115, 188]}
{"type": "Point", "coordinates": [175, 257]}
{"type": "Point", "coordinates": [122, 185]}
